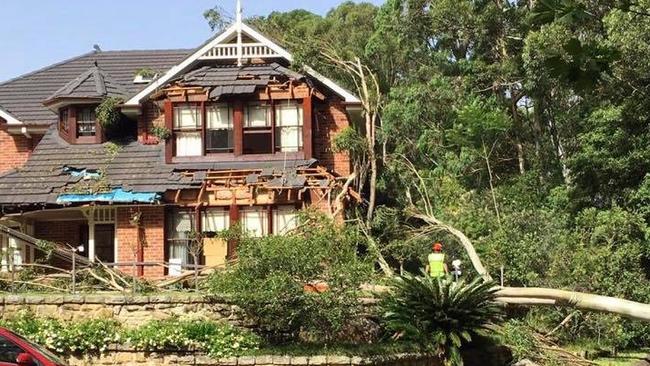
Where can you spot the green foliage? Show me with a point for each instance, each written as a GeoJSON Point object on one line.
{"type": "Point", "coordinates": [145, 72]}
{"type": "Point", "coordinates": [441, 315]}
{"type": "Point", "coordinates": [218, 339]}
{"type": "Point", "coordinates": [78, 337]}
{"type": "Point", "coordinates": [161, 132]}
{"type": "Point", "coordinates": [107, 112]}
{"type": "Point", "coordinates": [268, 280]}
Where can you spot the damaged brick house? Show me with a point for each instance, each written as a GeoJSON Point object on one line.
{"type": "Point", "coordinates": [225, 133]}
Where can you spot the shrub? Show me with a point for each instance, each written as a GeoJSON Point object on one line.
{"type": "Point", "coordinates": [440, 315]}
{"type": "Point", "coordinates": [268, 281]}
{"type": "Point", "coordinates": [79, 337]}
{"type": "Point", "coordinates": [218, 339]}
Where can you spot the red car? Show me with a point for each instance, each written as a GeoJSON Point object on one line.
{"type": "Point", "coordinates": [16, 350]}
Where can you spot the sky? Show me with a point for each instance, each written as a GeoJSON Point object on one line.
{"type": "Point", "coordinates": [38, 33]}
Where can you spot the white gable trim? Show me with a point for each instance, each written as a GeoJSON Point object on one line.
{"type": "Point", "coordinates": [11, 120]}
{"type": "Point", "coordinates": [348, 96]}
{"type": "Point", "coordinates": [232, 30]}
{"type": "Point", "coordinates": [135, 100]}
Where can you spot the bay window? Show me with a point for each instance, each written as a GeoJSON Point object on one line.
{"type": "Point", "coordinates": [258, 134]}
{"type": "Point", "coordinates": [219, 129]}
{"type": "Point", "coordinates": [63, 119]}
{"type": "Point", "coordinates": [187, 130]}
{"type": "Point", "coordinates": [86, 121]}
{"type": "Point", "coordinates": [288, 126]}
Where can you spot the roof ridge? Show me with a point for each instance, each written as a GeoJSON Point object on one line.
{"type": "Point", "coordinates": [148, 50]}
{"type": "Point", "coordinates": [48, 67]}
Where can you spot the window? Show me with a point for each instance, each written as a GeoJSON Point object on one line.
{"type": "Point", "coordinates": [288, 130]}
{"type": "Point", "coordinates": [63, 120]}
{"type": "Point", "coordinates": [219, 129]}
{"type": "Point", "coordinates": [285, 219]}
{"type": "Point", "coordinates": [187, 130]}
{"type": "Point", "coordinates": [85, 121]}
{"type": "Point", "coordinates": [215, 220]}
{"type": "Point", "coordinates": [257, 129]}
{"type": "Point", "coordinates": [180, 225]}
{"type": "Point", "coordinates": [9, 351]}
{"type": "Point", "coordinates": [255, 221]}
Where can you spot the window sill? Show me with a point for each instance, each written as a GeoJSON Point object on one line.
{"type": "Point", "coordinates": [219, 157]}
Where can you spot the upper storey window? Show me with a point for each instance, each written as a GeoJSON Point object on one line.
{"type": "Point", "coordinates": [64, 120]}
{"type": "Point", "coordinates": [288, 130]}
{"type": "Point", "coordinates": [242, 128]}
{"type": "Point", "coordinates": [86, 124]}
{"type": "Point", "coordinates": [258, 129]}
{"type": "Point", "coordinates": [187, 130]}
{"type": "Point", "coordinates": [219, 130]}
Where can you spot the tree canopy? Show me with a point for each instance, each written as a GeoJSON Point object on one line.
{"type": "Point", "coordinates": [527, 121]}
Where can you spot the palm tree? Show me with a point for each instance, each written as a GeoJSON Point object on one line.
{"type": "Point", "coordinates": [439, 314]}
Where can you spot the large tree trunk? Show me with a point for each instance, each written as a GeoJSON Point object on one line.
{"type": "Point", "coordinates": [578, 300]}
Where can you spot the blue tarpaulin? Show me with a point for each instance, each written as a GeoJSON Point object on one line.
{"type": "Point", "coordinates": [117, 195]}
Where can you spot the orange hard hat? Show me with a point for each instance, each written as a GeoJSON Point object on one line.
{"type": "Point", "coordinates": [437, 247]}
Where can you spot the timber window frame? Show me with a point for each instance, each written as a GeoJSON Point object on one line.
{"type": "Point", "coordinates": [219, 130]}
{"type": "Point", "coordinates": [258, 133]}
{"type": "Point", "coordinates": [86, 126]}
{"type": "Point", "coordinates": [239, 127]}
{"type": "Point", "coordinates": [188, 126]}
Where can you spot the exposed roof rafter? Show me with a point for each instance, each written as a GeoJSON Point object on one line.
{"type": "Point", "coordinates": [218, 48]}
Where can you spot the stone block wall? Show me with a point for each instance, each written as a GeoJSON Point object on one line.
{"type": "Point", "coordinates": [131, 311]}
{"type": "Point", "coordinates": [124, 356]}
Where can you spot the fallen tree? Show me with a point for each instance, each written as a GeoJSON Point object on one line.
{"type": "Point", "coordinates": [529, 296]}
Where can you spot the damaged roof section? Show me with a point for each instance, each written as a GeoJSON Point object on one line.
{"type": "Point", "coordinates": [224, 80]}
{"type": "Point", "coordinates": [48, 173]}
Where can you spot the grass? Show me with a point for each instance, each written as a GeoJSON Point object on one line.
{"type": "Point", "coordinates": [362, 350]}
{"type": "Point", "coordinates": [623, 358]}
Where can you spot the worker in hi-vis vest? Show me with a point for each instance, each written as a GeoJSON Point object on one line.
{"type": "Point", "coordinates": [437, 267]}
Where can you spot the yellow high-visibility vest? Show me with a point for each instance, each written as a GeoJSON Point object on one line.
{"type": "Point", "coordinates": [437, 264]}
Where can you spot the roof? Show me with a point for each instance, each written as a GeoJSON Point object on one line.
{"type": "Point", "coordinates": [210, 51]}
{"type": "Point", "coordinates": [94, 83]}
{"type": "Point", "coordinates": [23, 96]}
{"type": "Point", "coordinates": [232, 80]}
{"type": "Point", "coordinates": [56, 168]}
{"type": "Point", "coordinates": [134, 167]}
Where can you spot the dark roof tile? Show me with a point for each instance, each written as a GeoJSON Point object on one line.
{"type": "Point", "coordinates": [23, 97]}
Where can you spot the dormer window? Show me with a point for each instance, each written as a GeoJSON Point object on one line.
{"type": "Point", "coordinates": [86, 123]}
{"type": "Point", "coordinates": [64, 120]}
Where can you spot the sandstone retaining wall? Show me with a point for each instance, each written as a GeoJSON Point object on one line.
{"type": "Point", "coordinates": [124, 356]}
{"type": "Point", "coordinates": [128, 310]}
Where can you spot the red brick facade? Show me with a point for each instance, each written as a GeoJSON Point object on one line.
{"type": "Point", "coordinates": [15, 150]}
{"type": "Point", "coordinates": [330, 121]}
{"type": "Point", "coordinates": [59, 231]}
{"type": "Point", "coordinates": [145, 242]}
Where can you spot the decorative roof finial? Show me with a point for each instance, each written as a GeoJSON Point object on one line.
{"type": "Point", "coordinates": [239, 40]}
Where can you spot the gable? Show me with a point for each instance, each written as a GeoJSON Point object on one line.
{"type": "Point", "coordinates": [237, 43]}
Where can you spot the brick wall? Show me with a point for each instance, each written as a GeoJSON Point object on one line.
{"type": "Point", "coordinates": [15, 150]}
{"type": "Point", "coordinates": [151, 116]}
{"type": "Point", "coordinates": [59, 231]}
{"type": "Point", "coordinates": [330, 121]}
{"type": "Point", "coordinates": [151, 234]}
